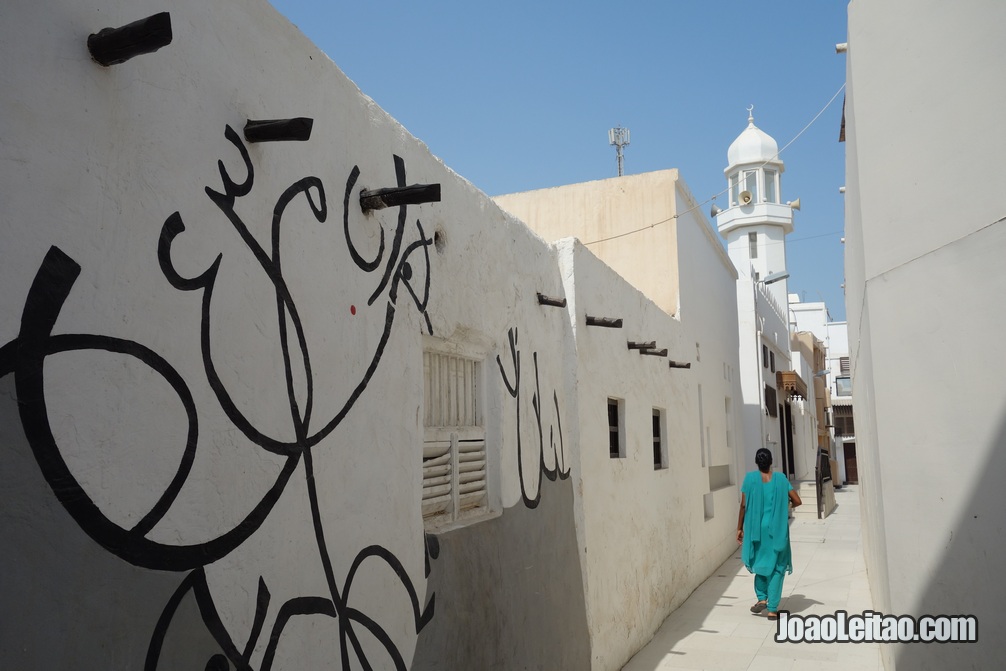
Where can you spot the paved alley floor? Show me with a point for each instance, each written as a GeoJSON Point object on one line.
{"type": "Point", "coordinates": [714, 629]}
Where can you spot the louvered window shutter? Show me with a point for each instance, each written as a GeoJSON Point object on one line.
{"type": "Point", "coordinates": [454, 448]}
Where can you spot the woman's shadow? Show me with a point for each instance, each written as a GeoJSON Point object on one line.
{"type": "Point", "coordinates": [796, 603]}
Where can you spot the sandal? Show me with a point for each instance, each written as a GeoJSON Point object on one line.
{"type": "Point", "coordinates": [759, 607]}
{"type": "Point", "coordinates": [772, 616]}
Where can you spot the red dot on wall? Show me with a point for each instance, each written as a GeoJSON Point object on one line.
{"type": "Point", "coordinates": [352, 309]}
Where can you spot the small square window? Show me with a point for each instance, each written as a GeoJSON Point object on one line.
{"type": "Point", "coordinates": [616, 430]}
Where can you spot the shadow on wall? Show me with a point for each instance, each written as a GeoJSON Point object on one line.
{"type": "Point", "coordinates": [509, 592]}
{"type": "Point", "coordinates": [66, 587]}
{"type": "Point", "coordinates": [969, 578]}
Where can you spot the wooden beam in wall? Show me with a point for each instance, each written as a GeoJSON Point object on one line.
{"type": "Point", "coordinates": [415, 194]}
{"type": "Point", "coordinates": [607, 322]}
{"type": "Point", "coordinates": [297, 129]}
{"type": "Point", "coordinates": [554, 302]}
{"type": "Point", "coordinates": [111, 46]}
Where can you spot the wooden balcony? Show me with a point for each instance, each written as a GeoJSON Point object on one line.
{"type": "Point", "coordinates": [789, 381]}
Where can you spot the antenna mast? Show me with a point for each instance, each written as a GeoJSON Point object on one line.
{"type": "Point", "coordinates": [619, 137]}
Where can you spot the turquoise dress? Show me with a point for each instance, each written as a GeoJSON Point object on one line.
{"type": "Point", "coordinates": [766, 548]}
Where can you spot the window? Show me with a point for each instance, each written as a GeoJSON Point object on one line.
{"type": "Point", "coordinates": [616, 434]}
{"type": "Point", "coordinates": [771, 361]}
{"type": "Point", "coordinates": [454, 445]}
{"type": "Point", "coordinates": [840, 427]}
{"type": "Point", "coordinates": [753, 245]}
{"type": "Point", "coordinates": [702, 432]}
{"type": "Point", "coordinates": [733, 189]}
{"type": "Point", "coordinates": [728, 414]}
{"type": "Point", "coordinates": [659, 450]}
{"type": "Point", "coordinates": [770, 401]}
{"type": "Point", "coordinates": [843, 386]}
{"type": "Point", "coordinates": [764, 355]}
{"type": "Point", "coordinates": [771, 193]}
{"type": "Point", "coordinates": [751, 184]}
{"type": "Point", "coordinates": [843, 422]}
{"type": "Point", "coordinates": [843, 364]}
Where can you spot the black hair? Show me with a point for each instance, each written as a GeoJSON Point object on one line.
{"type": "Point", "coordinates": [763, 457]}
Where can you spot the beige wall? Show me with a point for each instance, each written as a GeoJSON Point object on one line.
{"type": "Point", "coordinates": [603, 209]}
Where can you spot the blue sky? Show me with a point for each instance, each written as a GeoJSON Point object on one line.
{"type": "Point", "coordinates": [520, 95]}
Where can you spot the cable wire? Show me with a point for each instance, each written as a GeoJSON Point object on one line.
{"type": "Point", "coordinates": [715, 196]}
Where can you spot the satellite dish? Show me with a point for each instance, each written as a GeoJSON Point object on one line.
{"type": "Point", "coordinates": [794, 204]}
{"type": "Point", "coordinates": [745, 197]}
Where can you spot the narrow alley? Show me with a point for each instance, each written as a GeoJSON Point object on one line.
{"type": "Point", "coordinates": [714, 629]}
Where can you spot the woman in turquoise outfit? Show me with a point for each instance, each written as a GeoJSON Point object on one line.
{"type": "Point", "coordinates": [763, 531]}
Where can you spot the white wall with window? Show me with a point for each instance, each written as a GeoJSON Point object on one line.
{"type": "Point", "coordinates": [695, 495]}
{"type": "Point", "coordinates": [676, 453]}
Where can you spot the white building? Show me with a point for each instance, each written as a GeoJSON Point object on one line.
{"type": "Point", "coordinates": [834, 375]}
{"type": "Point", "coordinates": [655, 496]}
{"type": "Point", "coordinates": [251, 419]}
{"type": "Point", "coordinates": [755, 225]}
{"type": "Point", "coordinates": [925, 280]}
{"type": "Point", "coordinates": [679, 265]}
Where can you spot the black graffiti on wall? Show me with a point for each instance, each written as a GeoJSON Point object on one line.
{"type": "Point", "coordinates": [559, 469]}
{"type": "Point", "coordinates": [26, 355]}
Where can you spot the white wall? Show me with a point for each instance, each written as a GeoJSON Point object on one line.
{"type": "Point", "coordinates": [645, 541]}
{"type": "Point", "coordinates": [682, 268]}
{"type": "Point", "coordinates": [811, 317]}
{"type": "Point", "coordinates": [923, 275]}
{"type": "Point", "coordinates": [214, 431]}
{"type": "Point", "coordinates": [709, 314]}
{"type": "Point", "coordinates": [181, 441]}
{"type": "Point", "coordinates": [760, 324]}
{"type": "Point", "coordinates": [643, 555]}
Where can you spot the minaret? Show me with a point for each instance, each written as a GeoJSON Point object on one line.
{"type": "Point", "coordinates": [757, 221]}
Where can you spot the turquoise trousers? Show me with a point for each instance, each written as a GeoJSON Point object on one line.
{"type": "Point", "coordinates": [769, 588]}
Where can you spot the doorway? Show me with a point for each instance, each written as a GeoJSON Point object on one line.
{"type": "Point", "coordinates": [851, 472]}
